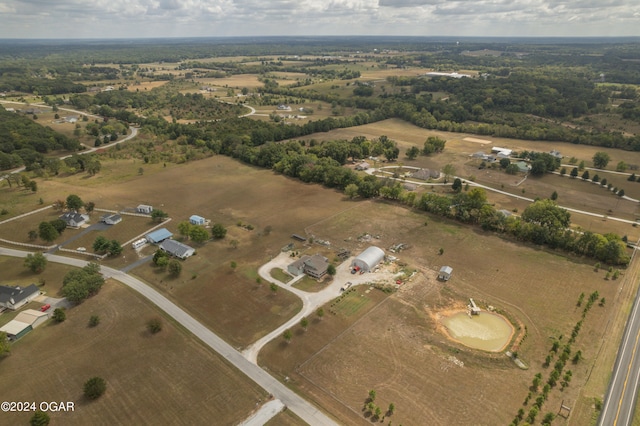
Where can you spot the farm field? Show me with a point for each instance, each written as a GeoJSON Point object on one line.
{"type": "Point", "coordinates": [151, 379]}
{"type": "Point", "coordinates": [398, 347]}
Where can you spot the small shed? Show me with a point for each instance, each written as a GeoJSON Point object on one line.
{"type": "Point", "coordinates": [445, 273]}
{"type": "Point", "coordinates": [32, 317]}
{"type": "Point", "coordinates": [16, 329]}
{"type": "Point", "coordinates": [144, 208]}
{"type": "Point", "coordinates": [196, 220]}
{"type": "Point", "coordinates": [158, 236]}
{"type": "Point", "coordinates": [111, 219]}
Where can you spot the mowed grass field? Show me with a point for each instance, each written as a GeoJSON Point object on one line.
{"type": "Point", "coordinates": [166, 378]}
{"type": "Point", "coordinates": [398, 348]}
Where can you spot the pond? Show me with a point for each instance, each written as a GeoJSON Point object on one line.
{"type": "Point", "coordinates": [487, 331]}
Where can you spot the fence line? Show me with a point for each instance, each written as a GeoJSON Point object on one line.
{"type": "Point", "coordinates": [27, 244]}
{"type": "Point", "coordinates": [25, 214]}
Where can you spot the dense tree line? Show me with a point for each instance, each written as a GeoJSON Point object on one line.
{"type": "Point", "coordinates": [23, 142]}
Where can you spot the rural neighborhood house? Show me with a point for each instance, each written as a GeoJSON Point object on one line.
{"type": "Point", "coordinates": [15, 297]}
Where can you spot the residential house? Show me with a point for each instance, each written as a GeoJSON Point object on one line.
{"type": "Point", "coordinates": [158, 236]}
{"type": "Point", "coordinates": [15, 297]}
{"type": "Point", "coordinates": [177, 249]}
{"type": "Point", "coordinates": [73, 219]}
{"type": "Point", "coordinates": [315, 266]}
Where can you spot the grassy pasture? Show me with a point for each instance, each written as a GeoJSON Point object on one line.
{"type": "Point", "coordinates": [573, 193]}
{"type": "Point", "coordinates": [398, 348]}
{"type": "Point", "coordinates": [151, 379]}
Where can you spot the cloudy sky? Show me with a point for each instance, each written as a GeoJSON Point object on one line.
{"type": "Point", "coordinates": [216, 18]}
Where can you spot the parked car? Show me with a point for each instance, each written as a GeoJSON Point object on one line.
{"type": "Point", "coordinates": [45, 308]}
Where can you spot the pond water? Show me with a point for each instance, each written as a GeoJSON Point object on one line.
{"type": "Point", "coordinates": [487, 331]}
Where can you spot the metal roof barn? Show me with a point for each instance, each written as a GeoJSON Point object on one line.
{"type": "Point", "coordinates": [368, 259]}
{"type": "Point", "coordinates": [158, 236]}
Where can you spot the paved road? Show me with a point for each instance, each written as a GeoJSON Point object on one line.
{"type": "Point", "coordinates": [293, 401]}
{"type": "Point", "coordinates": [619, 405]}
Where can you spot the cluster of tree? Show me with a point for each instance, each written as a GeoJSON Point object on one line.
{"type": "Point", "coordinates": [196, 233]}
{"type": "Point", "coordinates": [49, 231]}
{"type": "Point", "coordinates": [103, 245]}
{"type": "Point", "coordinates": [162, 260]}
{"type": "Point", "coordinates": [542, 222]}
{"type": "Point", "coordinates": [23, 142]}
{"type": "Point", "coordinates": [40, 86]}
{"type": "Point", "coordinates": [79, 284]}
{"type": "Point", "coordinates": [21, 179]}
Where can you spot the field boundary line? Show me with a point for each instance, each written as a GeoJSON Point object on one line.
{"type": "Point", "coordinates": [26, 214]}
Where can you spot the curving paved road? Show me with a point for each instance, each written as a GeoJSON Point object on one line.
{"type": "Point", "coordinates": [293, 401]}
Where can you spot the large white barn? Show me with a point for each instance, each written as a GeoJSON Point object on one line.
{"type": "Point", "coordinates": [368, 259]}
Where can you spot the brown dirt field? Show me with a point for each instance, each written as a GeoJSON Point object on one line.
{"type": "Point", "coordinates": [404, 335]}
{"type": "Point", "coordinates": [150, 379]}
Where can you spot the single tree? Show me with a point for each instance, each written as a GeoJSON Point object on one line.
{"type": "Point", "coordinates": [33, 235]}
{"type": "Point", "coordinates": [412, 152]}
{"type": "Point", "coordinates": [574, 172]}
{"type": "Point", "coordinates": [595, 178]}
{"type": "Point", "coordinates": [632, 177]}
{"type": "Point", "coordinates": [47, 232]}
{"type": "Point", "coordinates": [198, 234]}
{"type": "Point", "coordinates": [94, 387]}
{"type": "Point", "coordinates": [621, 193]}
{"type": "Point", "coordinates": [101, 244]}
{"type": "Point", "coordinates": [184, 228]}
{"type": "Point", "coordinates": [218, 231]}
{"type": "Point", "coordinates": [94, 320]}
{"type": "Point", "coordinates": [59, 315]}
{"type": "Point", "coordinates": [273, 287]}
{"type": "Point", "coordinates": [174, 267]}
{"type": "Point", "coordinates": [554, 195]}
{"type": "Point", "coordinates": [304, 323]}
{"type": "Point", "coordinates": [5, 346]}
{"type": "Point", "coordinates": [621, 166]}
{"type": "Point", "coordinates": [600, 160]}
{"type": "Point", "coordinates": [457, 185]}
{"type": "Point", "coordinates": [448, 170]}
{"type": "Point", "coordinates": [585, 175]}
{"type": "Point", "coordinates": [74, 202]}
{"type": "Point", "coordinates": [39, 418]}
{"type": "Point", "coordinates": [372, 395]}
{"type": "Point", "coordinates": [89, 207]}
{"type": "Point", "coordinates": [392, 409]}
{"type": "Point", "coordinates": [320, 313]}
{"type": "Point", "coordinates": [234, 243]}
{"type": "Point", "coordinates": [233, 264]}
{"type": "Point", "coordinates": [33, 186]}
{"type": "Point", "coordinates": [331, 269]}
{"type": "Point", "coordinates": [158, 215]}
{"type": "Point", "coordinates": [351, 191]}
{"type": "Point", "coordinates": [114, 248]}
{"type": "Point", "coordinates": [35, 262]}
{"type": "Point", "coordinates": [287, 335]}
{"type": "Point", "coordinates": [154, 325]}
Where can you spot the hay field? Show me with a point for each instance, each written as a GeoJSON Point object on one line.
{"type": "Point", "coordinates": [399, 350]}
{"type": "Point", "coordinates": [151, 379]}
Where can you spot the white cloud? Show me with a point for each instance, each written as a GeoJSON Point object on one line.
{"type": "Point", "coordinates": [161, 18]}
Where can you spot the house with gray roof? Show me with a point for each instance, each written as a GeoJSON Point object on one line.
{"type": "Point", "coordinates": [73, 219]}
{"type": "Point", "coordinates": [15, 297]}
{"type": "Point", "coordinates": [177, 249]}
{"type": "Point", "coordinates": [111, 219]}
{"type": "Point", "coordinates": [315, 266]}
